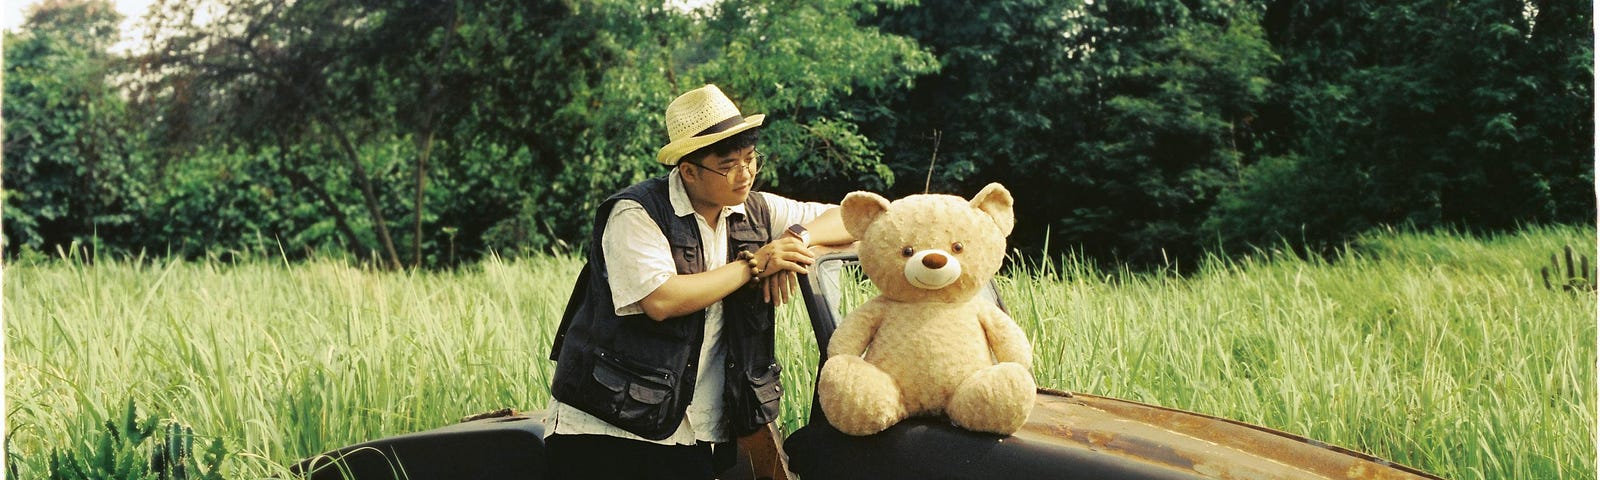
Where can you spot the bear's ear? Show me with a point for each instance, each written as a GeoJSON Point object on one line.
{"type": "Point", "coordinates": [859, 209]}
{"type": "Point", "coordinates": [995, 201]}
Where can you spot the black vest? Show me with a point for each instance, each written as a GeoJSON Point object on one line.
{"type": "Point", "coordinates": [639, 374]}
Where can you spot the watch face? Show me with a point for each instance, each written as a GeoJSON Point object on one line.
{"type": "Point", "coordinates": [799, 232]}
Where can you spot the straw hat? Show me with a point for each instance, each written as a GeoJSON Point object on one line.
{"type": "Point", "coordinates": [702, 117]}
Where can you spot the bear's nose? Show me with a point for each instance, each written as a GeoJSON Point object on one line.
{"type": "Point", "coordinates": [933, 269]}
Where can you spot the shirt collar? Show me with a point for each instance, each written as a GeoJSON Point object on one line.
{"type": "Point", "coordinates": [680, 198]}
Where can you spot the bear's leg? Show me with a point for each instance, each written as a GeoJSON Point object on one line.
{"type": "Point", "coordinates": [996, 399]}
{"type": "Point", "coordinates": [858, 398]}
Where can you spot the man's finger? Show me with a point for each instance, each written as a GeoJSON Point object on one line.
{"type": "Point", "coordinates": [791, 257]}
{"type": "Point", "coordinates": [778, 290]}
{"type": "Point", "coordinates": [784, 288]}
{"type": "Point", "coordinates": [791, 284]}
{"type": "Point", "coordinates": [779, 265]}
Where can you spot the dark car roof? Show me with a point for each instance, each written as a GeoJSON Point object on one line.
{"type": "Point", "coordinates": [1082, 436]}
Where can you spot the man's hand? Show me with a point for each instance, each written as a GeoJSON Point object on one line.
{"type": "Point", "coordinates": [779, 288]}
{"type": "Point", "coordinates": [781, 262]}
{"type": "Point", "coordinates": [784, 254]}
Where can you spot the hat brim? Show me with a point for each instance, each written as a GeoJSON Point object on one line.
{"type": "Point", "coordinates": [670, 154]}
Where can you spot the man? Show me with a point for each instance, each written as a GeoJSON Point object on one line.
{"type": "Point", "coordinates": [665, 354]}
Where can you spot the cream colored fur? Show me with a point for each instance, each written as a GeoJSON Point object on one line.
{"type": "Point", "coordinates": [917, 351]}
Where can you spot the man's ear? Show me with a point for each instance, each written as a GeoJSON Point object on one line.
{"type": "Point", "coordinates": [995, 201]}
{"type": "Point", "coordinates": [859, 209]}
{"type": "Point", "coordinates": [683, 173]}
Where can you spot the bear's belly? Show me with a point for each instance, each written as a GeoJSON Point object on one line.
{"type": "Point", "coordinates": [931, 356]}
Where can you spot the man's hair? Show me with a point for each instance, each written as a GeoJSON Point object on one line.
{"type": "Point", "coordinates": [739, 141]}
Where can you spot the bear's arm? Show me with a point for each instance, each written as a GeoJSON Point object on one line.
{"type": "Point", "coordinates": [1007, 340]}
{"type": "Point", "coordinates": [857, 330]}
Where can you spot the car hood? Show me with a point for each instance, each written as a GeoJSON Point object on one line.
{"type": "Point", "coordinates": [1082, 436]}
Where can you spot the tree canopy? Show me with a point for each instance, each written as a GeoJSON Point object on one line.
{"type": "Point", "coordinates": [432, 132]}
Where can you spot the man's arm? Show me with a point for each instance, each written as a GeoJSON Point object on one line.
{"type": "Point", "coordinates": [786, 255]}
{"type": "Point", "coordinates": [685, 294]}
{"type": "Point", "coordinates": [828, 229]}
{"type": "Point", "coordinates": [643, 277]}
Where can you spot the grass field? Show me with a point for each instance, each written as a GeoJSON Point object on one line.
{"type": "Point", "coordinates": [1439, 351]}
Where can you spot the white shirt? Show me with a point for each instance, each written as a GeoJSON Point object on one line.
{"type": "Point", "coordinates": [639, 261]}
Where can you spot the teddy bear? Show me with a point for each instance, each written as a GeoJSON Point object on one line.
{"type": "Point", "coordinates": [928, 344]}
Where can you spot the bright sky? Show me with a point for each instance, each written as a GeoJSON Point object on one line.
{"type": "Point", "coordinates": [11, 14]}
{"type": "Point", "coordinates": [132, 11]}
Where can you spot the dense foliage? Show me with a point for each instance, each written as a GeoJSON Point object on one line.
{"type": "Point", "coordinates": [1477, 114]}
{"type": "Point", "coordinates": [73, 162]}
{"type": "Point", "coordinates": [431, 132]}
{"type": "Point", "coordinates": [1117, 124]}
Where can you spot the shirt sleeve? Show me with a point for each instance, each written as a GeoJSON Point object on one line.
{"type": "Point", "coordinates": [784, 212]}
{"type": "Point", "coordinates": [638, 258]}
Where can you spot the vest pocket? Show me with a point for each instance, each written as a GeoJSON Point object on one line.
{"type": "Point", "coordinates": [637, 395]}
{"type": "Point", "coordinates": [756, 402]}
{"type": "Point", "coordinates": [768, 387]}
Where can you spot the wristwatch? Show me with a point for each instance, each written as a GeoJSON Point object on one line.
{"type": "Point", "coordinates": [799, 232]}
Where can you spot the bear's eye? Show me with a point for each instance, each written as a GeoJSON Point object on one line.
{"type": "Point", "coordinates": [956, 247]}
{"type": "Point", "coordinates": [908, 252]}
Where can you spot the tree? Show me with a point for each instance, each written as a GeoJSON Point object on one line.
{"type": "Point", "coordinates": [72, 162]}
{"type": "Point", "coordinates": [374, 84]}
{"type": "Point", "coordinates": [795, 61]}
{"type": "Point", "coordinates": [1115, 124]}
{"type": "Point", "coordinates": [1473, 114]}
{"type": "Point", "coordinates": [821, 75]}
{"type": "Point", "coordinates": [267, 74]}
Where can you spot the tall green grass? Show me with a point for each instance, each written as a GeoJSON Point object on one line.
{"type": "Point", "coordinates": [1439, 351]}
{"type": "Point", "coordinates": [281, 361]}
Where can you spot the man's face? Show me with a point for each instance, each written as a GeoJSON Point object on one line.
{"type": "Point", "coordinates": [723, 180]}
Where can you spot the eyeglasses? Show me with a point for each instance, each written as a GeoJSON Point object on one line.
{"type": "Point", "coordinates": [749, 167]}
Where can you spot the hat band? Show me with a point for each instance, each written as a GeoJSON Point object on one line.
{"type": "Point", "coordinates": [722, 125]}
